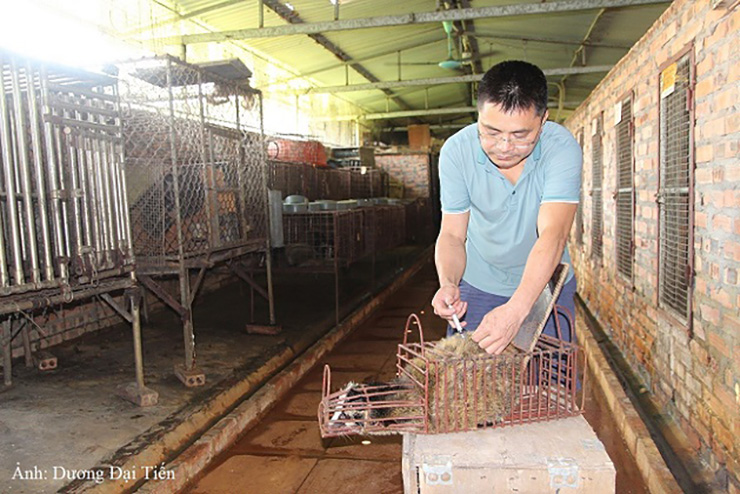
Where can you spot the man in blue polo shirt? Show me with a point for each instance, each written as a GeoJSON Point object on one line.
{"type": "Point", "coordinates": [510, 186]}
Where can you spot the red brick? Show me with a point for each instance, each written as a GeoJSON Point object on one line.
{"type": "Point", "coordinates": [722, 222]}
{"type": "Point", "coordinates": [718, 343]}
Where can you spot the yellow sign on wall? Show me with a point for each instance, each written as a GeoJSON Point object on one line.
{"type": "Point", "coordinates": [668, 80]}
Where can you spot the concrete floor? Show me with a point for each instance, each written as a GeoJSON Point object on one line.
{"type": "Point", "coordinates": [69, 422]}
{"type": "Point", "coordinates": [285, 453]}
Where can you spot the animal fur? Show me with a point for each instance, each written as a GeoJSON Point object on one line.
{"type": "Point", "coordinates": [467, 388]}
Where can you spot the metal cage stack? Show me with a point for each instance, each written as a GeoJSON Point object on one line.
{"type": "Point", "coordinates": [64, 219]}
{"type": "Point", "coordinates": [327, 183]}
{"type": "Point", "coordinates": [196, 170]}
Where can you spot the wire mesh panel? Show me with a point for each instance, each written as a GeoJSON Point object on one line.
{"type": "Point", "coordinates": [313, 239]}
{"type": "Point", "coordinates": [579, 211]}
{"type": "Point", "coordinates": [625, 191]}
{"type": "Point", "coordinates": [195, 161]}
{"type": "Point", "coordinates": [451, 385]}
{"type": "Point", "coordinates": [675, 194]}
{"type": "Point", "coordinates": [597, 173]}
{"type": "Point", "coordinates": [419, 224]}
{"type": "Point", "coordinates": [326, 183]}
{"type": "Point", "coordinates": [389, 226]}
{"type": "Point", "coordinates": [63, 210]}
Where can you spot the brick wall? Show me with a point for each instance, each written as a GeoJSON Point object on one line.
{"type": "Point", "coordinates": [692, 371]}
{"type": "Point", "coordinates": [409, 169]}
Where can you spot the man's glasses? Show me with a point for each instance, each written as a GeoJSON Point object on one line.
{"type": "Point", "coordinates": [517, 142]}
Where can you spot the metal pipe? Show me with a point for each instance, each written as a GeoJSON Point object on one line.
{"type": "Point", "coordinates": [136, 330]}
{"type": "Point", "coordinates": [241, 166]}
{"type": "Point", "coordinates": [209, 199]}
{"type": "Point", "coordinates": [268, 248]}
{"type": "Point", "coordinates": [9, 173]}
{"type": "Point", "coordinates": [109, 219]}
{"type": "Point", "coordinates": [124, 211]}
{"type": "Point", "coordinates": [52, 176]}
{"type": "Point", "coordinates": [436, 81]}
{"type": "Point", "coordinates": [100, 192]}
{"type": "Point", "coordinates": [27, 354]}
{"type": "Point", "coordinates": [74, 192]}
{"type": "Point", "coordinates": [183, 274]}
{"type": "Point", "coordinates": [64, 192]}
{"type": "Point", "coordinates": [4, 279]}
{"type": "Point", "coordinates": [83, 173]}
{"type": "Point", "coordinates": [33, 104]}
{"type": "Point", "coordinates": [25, 169]}
{"type": "Point", "coordinates": [7, 338]}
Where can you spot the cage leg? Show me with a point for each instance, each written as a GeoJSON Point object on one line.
{"type": "Point", "coordinates": [190, 375]}
{"type": "Point", "coordinates": [187, 372]}
{"type": "Point", "coordinates": [137, 392]}
{"type": "Point", "coordinates": [336, 290]}
{"type": "Point", "coordinates": [27, 353]}
{"type": "Point", "coordinates": [7, 355]}
{"type": "Point", "coordinates": [145, 307]}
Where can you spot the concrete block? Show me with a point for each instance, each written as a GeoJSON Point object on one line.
{"type": "Point", "coordinates": [190, 377]}
{"type": "Point", "coordinates": [563, 456]}
{"type": "Point", "coordinates": [139, 395]}
{"type": "Point", "coordinates": [44, 361]}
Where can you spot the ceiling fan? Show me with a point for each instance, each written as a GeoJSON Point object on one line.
{"type": "Point", "coordinates": [452, 63]}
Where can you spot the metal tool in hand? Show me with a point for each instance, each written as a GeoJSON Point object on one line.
{"type": "Point", "coordinates": [456, 321]}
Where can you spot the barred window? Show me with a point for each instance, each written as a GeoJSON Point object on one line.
{"type": "Point", "coordinates": [597, 172]}
{"type": "Point", "coordinates": [675, 186]}
{"type": "Point", "coordinates": [579, 211]}
{"type": "Point", "coordinates": [625, 190]}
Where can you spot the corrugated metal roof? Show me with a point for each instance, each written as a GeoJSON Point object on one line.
{"type": "Point", "coordinates": [549, 40]}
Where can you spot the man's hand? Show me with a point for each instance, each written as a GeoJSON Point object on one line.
{"type": "Point", "coordinates": [446, 302]}
{"type": "Point", "coordinates": [498, 328]}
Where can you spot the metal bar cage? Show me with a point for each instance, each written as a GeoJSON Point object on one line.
{"type": "Point", "coordinates": [318, 238]}
{"type": "Point", "coordinates": [195, 161]}
{"type": "Point", "coordinates": [63, 209]}
{"type": "Point", "coordinates": [327, 183]}
{"type": "Point", "coordinates": [438, 391]}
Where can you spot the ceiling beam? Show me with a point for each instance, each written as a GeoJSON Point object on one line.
{"type": "Point", "coordinates": [406, 19]}
{"type": "Point", "coordinates": [293, 18]}
{"type": "Point", "coordinates": [428, 112]}
{"type": "Point", "coordinates": [417, 113]}
{"type": "Point", "coordinates": [444, 80]}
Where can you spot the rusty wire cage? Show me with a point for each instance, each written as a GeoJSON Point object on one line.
{"type": "Point", "coordinates": [420, 225]}
{"type": "Point", "coordinates": [386, 224]}
{"type": "Point", "coordinates": [196, 172]}
{"type": "Point", "coordinates": [321, 238]}
{"type": "Point", "coordinates": [326, 183]}
{"type": "Point", "coordinates": [439, 391]}
{"type": "Point", "coordinates": [195, 161]}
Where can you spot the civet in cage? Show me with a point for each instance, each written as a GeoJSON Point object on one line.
{"type": "Point", "coordinates": [453, 385]}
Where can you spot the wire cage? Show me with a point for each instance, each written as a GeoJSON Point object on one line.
{"type": "Point", "coordinates": [326, 183]}
{"type": "Point", "coordinates": [65, 230]}
{"type": "Point", "coordinates": [386, 226]}
{"type": "Point", "coordinates": [196, 172]}
{"type": "Point", "coordinates": [64, 213]}
{"type": "Point", "coordinates": [321, 238]}
{"type": "Point", "coordinates": [195, 162]}
{"type": "Point", "coordinates": [442, 387]}
{"type": "Point", "coordinates": [420, 225]}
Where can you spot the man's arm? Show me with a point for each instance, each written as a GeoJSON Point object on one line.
{"type": "Point", "coordinates": [450, 259]}
{"type": "Point", "coordinates": [500, 325]}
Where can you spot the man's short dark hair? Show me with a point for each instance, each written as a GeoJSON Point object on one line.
{"type": "Point", "coordinates": [514, 85]}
